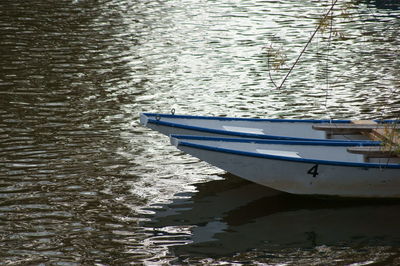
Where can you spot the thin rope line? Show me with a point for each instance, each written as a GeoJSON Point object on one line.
{"type": "Point", "coordinates": [308, 42]}
{"type": "Point", "coordinates": [327, 91]}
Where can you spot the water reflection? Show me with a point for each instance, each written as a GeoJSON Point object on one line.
{"type": "Point", "coordinates": [386, 4]}
{"type": "Point", "coordinates": [227, 217]}
{"type": "Point", "coordinates": [60, 124]}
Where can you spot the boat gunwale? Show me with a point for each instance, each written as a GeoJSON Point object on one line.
{"type": "Point", "coordinates": [245, 118]}
{"type": "Point", "coordinates": [286, 158]}
{"type": "Point", "coordinates": [225, 132]}
{"type": "Point", "coordinates": [236, 133]}
{"type": "Point", "coordinates": [277, 120]}
{"type": "Point", "coordinates": [285, 142]}
{"type": "Point", "coordinates": [242, 134]}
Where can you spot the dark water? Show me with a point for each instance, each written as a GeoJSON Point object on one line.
{"type": "Point", "coordinates": [82, 183]}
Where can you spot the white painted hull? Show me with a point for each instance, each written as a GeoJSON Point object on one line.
{"type": "Point", "coordinates": [242, 127]}
{"type": "Point", "coordinates": [300, 175]}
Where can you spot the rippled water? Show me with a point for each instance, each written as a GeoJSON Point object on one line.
{"type": "Point", "coordinates": [81, 182]}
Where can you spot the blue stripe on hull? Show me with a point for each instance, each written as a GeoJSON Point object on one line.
{"type": "Point", "coordinates": [283, 158]}
{"type": "Point", "coordinates": [237, 134]}
{"type": "Point", "coordinates": [260, 119]}
{"type": "Point", "coordinates": [246, 119]}
{"type": "Point", "coordinates": [285, 142]}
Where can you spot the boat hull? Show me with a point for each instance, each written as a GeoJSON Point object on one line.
{"type": "Point", "coordinates": [284, 129]}
{"type": "Point", "coordinates": [298, 176]}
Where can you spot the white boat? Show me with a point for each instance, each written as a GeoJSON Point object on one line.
{"type": "Point", "coordinates": [290, 129]}
{"type": "Point", "coordinates": [327, 168]}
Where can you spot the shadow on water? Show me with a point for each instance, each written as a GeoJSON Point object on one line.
{"type": "Point", "coordinates": [385, 4]}
{"type": "Point", "coordinates": [231, 216]}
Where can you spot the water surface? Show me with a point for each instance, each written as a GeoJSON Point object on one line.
{"type": "Point", "coordinates": [81, 182]}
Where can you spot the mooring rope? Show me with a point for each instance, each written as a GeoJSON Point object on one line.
{"type": "Point", "coordinates": [308, 42]}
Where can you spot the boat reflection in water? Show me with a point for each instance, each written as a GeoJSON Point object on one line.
{"type": "Point", "coordinates": [232, 215]}
{"type": "Point", "coordinates": [386, 4]}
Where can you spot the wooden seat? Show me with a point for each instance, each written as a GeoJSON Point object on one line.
{"type": "Point", "coordinates": [347, 128]}
{"type": "Point", "coordinates": [373, 151]}
{"type": "Point", "coordinates": [369, 128]}
{"type": "Point", "coordinates": [387, 133]}
{"type": "Point", "coordinates": [382, 132]}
